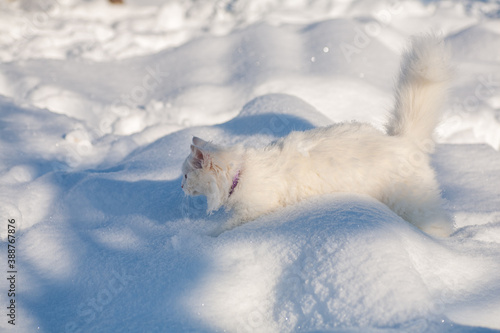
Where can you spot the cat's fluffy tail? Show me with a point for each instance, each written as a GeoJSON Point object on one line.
{"type": "Point", "coordinates": [421, 89]}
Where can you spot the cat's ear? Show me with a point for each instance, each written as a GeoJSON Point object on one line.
{"type": "Point", "coordinates": [200, 158]}
{"type": "Point", "coordinates": [199, 142]}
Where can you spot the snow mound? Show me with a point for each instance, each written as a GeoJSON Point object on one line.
{"type": "Point", "coordinates": [341, 261]}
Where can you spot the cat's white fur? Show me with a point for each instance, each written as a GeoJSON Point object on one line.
{"type": "Point", "coordinates": [348, 157]}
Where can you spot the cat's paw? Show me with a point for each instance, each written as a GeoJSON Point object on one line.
{"type": "Point", "coordinates": [440, 227]}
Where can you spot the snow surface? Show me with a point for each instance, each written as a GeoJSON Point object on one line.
{"type": "Point", "coordinates": [98, 104]}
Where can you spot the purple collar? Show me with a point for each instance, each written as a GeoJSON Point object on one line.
{"type": "Point", "coordinates": [236, 179]}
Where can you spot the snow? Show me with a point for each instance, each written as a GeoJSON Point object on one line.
{"type": "Point", "coordinates": [98, 104]}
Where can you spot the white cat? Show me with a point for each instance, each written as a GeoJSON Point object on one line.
{"type": "Point", "coordinates": [393, 168]}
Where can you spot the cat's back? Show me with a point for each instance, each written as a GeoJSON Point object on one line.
{"type": "Point", "coordinates": [339, 135]}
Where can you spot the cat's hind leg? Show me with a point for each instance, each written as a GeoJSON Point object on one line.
{"type": "Point", "coordinates": [422, 205]}
{"type": "Point", "coordinates": [415, 196]}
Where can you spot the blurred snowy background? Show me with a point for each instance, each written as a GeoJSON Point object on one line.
{"type": "Point", "coordinates": [98, 104]}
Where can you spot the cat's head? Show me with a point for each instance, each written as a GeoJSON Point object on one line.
{"type": "Point", "coordinates": [207, 171]}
